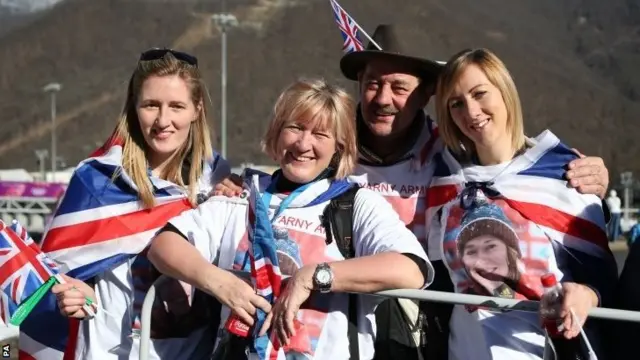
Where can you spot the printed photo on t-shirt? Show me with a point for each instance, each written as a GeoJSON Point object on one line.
{"type": "Point", "coordinates": [492, 250]}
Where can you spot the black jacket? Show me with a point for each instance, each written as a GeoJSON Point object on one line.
{"type": "Point", "coordinates": [624, 335]}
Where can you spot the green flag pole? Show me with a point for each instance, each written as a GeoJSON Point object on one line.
{"type": "Point", "coordinates": [32, 301]}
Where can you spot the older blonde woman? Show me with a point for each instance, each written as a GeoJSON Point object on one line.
{"type": "Point", "coordinates": [558, 230]}
{"type": "Point", "coordinates": [312, 137]}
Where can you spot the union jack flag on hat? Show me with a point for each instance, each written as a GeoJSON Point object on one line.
{"type": "Point", "coordinates": [348, 27]}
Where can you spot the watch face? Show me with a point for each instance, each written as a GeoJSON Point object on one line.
{"type": "Point", "coordinates": [323, 276]}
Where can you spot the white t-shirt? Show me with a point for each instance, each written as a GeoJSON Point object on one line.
{"type": "Point", "coordinates": [106, 337]}
{"type": "Point", "coordinates": [217, 229]}
{"type": "Point", "coordinates": [111, 337]}
{"type": "Point", "coordinates": [405, 185]}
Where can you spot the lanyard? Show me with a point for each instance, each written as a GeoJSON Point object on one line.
{"type": "Point", "coordinates": [266, 198]}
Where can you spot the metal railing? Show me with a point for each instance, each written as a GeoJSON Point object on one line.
{"type": "Point", "coordinates": [422, 295]}
{"type": "Point", "coordinates": [31, 212]}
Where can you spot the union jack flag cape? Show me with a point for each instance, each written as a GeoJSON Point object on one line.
{"type": "Point", "coordinates": [263, 259]}
{"type": "Point", "coordinates": [98, 225]}
{"type": "Point", "coordinates": [534, 185]}
{"type": "Point", "coordinates": [23, 268]}
{"type": "Point", "coordinates": [348, 29]}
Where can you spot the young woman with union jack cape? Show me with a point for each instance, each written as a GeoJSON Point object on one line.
{"type": "Point", "coordinates": [157, 164]}
{"type": "Point", "coordinates": [514, 219]}
{"type": "Point", "coordinates": [296, 306]}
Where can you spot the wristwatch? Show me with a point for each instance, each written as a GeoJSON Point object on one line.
{"type": "Point", "coordinates": [323, 278]}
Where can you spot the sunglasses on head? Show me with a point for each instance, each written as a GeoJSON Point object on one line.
{"type": "Point", "coordinates": [157, 54]}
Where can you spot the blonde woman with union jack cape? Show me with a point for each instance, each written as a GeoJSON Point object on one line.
{"type": "Point", "coordinates": [514, 219]}
{"type": "Point", "coordinates": [157, 164]}
{"type": "Point", "coordinates": [297, 306]}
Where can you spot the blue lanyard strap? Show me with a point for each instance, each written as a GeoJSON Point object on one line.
{"type": "Point", "coordinates": [266, 199]}
{"type": "Point", "coordinates": [271, 189]}
{"type": "Point", "coordinates": [334, 190]}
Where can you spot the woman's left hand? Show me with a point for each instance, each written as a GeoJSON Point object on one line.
{"type": "Point", "coordinates": [283, 314]}
{"type": "Point", "coordinates": [581, 299]}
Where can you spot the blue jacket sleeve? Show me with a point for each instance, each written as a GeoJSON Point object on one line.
{"type": "Point", "coordinates": [221, 168]}
{"type": "Point", "coordinates": [599, 273]}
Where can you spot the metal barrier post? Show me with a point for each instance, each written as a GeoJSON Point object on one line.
{"type": "Point", "coordinates": [145, 319]}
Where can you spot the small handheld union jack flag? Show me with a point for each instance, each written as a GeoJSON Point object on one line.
{"type": "Point", "coordinates": [26, 274]}
{"type": "Point", "coordinates": [22, 270]}
{"type": "Point", "coordinates": [22, 232]}
{"type": "Point", "coordinates": [348, 27]}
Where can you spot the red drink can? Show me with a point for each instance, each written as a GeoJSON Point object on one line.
{"type": "Point", "coordinates": [236, 326]}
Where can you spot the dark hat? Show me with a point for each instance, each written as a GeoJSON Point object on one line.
{"type": "Point", "coordinates": [395, 49]}
{"type": "Point", "coordinates": [487, 219]}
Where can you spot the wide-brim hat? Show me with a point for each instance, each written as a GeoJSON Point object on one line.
{"type": "Point", "coordinates": [395, 49]}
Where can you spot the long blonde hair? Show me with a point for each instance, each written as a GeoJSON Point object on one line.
{"type": "Point", "coordinates": [499, 76]}
{"type": "Point", "coordinates": [135, 150]}
{"type": "Point", "coordinates": [314, 99]}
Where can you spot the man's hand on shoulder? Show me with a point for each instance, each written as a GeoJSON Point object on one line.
{"type": "Point", "coordinates": [230, 186]}
{"type": "Point", "coordinates": [588, 175]}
